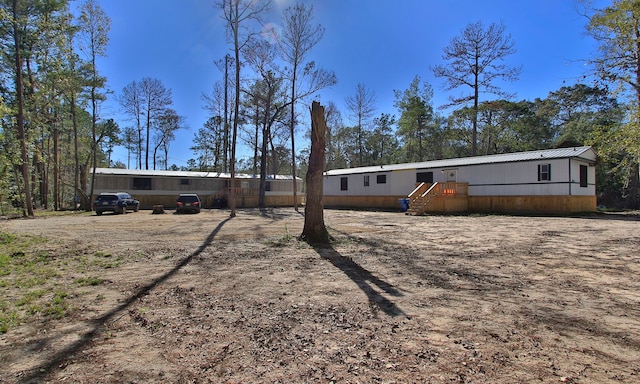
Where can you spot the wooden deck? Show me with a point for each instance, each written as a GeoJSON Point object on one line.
{"type": "Point", "coordinates": [438, 197]}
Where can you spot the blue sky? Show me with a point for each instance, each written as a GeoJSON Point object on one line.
{"type": "Point", "coordinates": [382, 44]}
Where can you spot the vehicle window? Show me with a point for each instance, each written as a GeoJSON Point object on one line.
{"type": "Point", "coordinates": [107, 198]}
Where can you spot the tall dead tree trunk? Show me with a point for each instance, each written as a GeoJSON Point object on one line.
{"type": "Point", "coordinates": [314, 231]}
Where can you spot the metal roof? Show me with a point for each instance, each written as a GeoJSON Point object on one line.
{"type": "Point", "coordinates": [183, 174]}
{"type": "Point", "coordinates": [585, 153]}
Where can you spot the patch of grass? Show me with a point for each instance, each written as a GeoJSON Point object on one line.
{"type": "Point", "coordinates": [139, 256]}
{"type": "Point", "coordinates": [85, 281]}
{"type": "Point", "coordinates": [57, 307]}
{"type": "Point", "coordinates": [9, 318]}
{"type": "Point", "coordinates": [114, 264]}
{"type": "Point", "coordinates": [284, 240]}
{"type": "Point", "coordinates": [34, 309]}
{"type": "Point", "coordinates": [28, 281]}
{"type": "Point", "coordinates": [6, 238]}
{"type": "Point", "coordinates": [51, 213]}
{"type": "Point", "coordinates": [32, 267]}
{"type": "Point", "coordinates": [106, 260]}
{"type": "Point", "coordinates": [30, 297]}
{"type": "Point", "coordinates": [287, 235]}
{"type": "Point", "coordinates": [5, 262]}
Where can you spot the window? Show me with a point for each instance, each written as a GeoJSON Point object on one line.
{"type": "Point", "coordinates": [424, 177]}
{"type": "Point", "coordinates": [381, 179]}
{"type": "Point", "coordinates": [544, 172]}
{"type": "Point", "coordinates": [343, 184]}
{"type": "Point", "coordinates": [366, 180]}
{"type": "Point", "coordinates": [583, 176]}
{"type": "Point", "coordinates": [142, 183]}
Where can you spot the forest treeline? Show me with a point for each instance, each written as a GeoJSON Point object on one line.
{"type": "Point", "coordinates": [53, 133]}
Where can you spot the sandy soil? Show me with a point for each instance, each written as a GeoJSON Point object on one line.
{"type": "Point", "coordinates": [394, 299]}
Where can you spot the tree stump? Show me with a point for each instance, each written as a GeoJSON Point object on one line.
{"type": "Point", "coordinates": [158, 209]}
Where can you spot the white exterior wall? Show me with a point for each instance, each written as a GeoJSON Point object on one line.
{"type": "Point", "coordinates": [515, 179]}
{"type": "Point", "coordinates": [521, 179]}
{"type": "Point", "coordinates": [497, 179]}
{"type": "Point", "coordinates": [396, 185]}
{"type": "Point", "coordinates": [590, 190]}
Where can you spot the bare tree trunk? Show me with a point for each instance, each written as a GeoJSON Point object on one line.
{"type": "Point", "coordinates": [314, 231]}
{"type": "Point", "coordinates": [293, 138]}
{"type": "Point", "coordinates": [21, 134]}
{"type": "Point", "coordinates": [76, 155]}
{"type": "Point", "coordinates": [263, 167]}
{"type": "Point", "coordinates": [94, 144]}
{"type": "Point", "coordinates": [56, 161]}
{"type": "Point", "coordinates": [234, 135]}
{"type": "Point", "coordinates": [225, 158]}
{"type": "Point", "coordinates": [236, 112]}
{"type": "Point", "coordinates": [148, 136]}
{"type": "Point", "coordinates": [633, 187]}
{"type": "Point", "coordinates": [476, 96]}
{"type": "Point", "coordinates": [257, 136]}
{"type": "Point", "coordinates": [85, 201]}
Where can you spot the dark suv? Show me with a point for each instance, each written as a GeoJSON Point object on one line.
{"type": "Point", "coordinates": [188, 202]}
{"type": "Point", "coordinates": [117, 202]}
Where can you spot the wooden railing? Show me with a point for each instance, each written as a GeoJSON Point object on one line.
{"type": "Point", "coordinates": [420, 197]}
{"type": "Point", "coordinates": [432, 191]}
{"type": "Point", "coordinates": [416, 193]}
{"type": "Point", "coordinates": [451, 188]}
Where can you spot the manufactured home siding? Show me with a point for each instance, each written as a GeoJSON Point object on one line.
{"type": "Point", "coordinates": [537, 181]}
{"type": "Point", "coordinates": [112, 183]}
{"type": "Point", "coordinates": [516, 179]}
{"type": "Point", "coordinates": [162, 187]}
{"type": "Point", "coordinates": [396, 184]}
{"type": "Point", "coordinates": [576, 188]}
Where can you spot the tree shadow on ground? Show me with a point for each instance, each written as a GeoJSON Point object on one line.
{"type": "Point", "coordinates": [274, 213]}
{"type": "Point", "coordinates": [364, 279]}
{"type": "Point", "coordinates": [38, 374]}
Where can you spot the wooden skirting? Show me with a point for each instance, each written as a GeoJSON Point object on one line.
{"type": "Point", "coordinates": [378, 202]}
{"type": "Point", "coordinates": [447, 204]}
{"type": "Point", "coordinates": [169, 201]}
{"type": "Point", "coordinates": [532, 204]}
{"type": "Point", "coordinates": [487, 204]}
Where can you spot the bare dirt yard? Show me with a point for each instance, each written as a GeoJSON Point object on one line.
{"type": "Point", "coordinates": [142, 298]}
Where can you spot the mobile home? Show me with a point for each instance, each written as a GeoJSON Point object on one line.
{"type": "Point", "coordinates": [155, 187]}
{"type": "Point", "coordinates": [546, 181]}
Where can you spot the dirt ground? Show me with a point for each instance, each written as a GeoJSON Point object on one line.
{"type": "Point", "coordinates": [395, 299]}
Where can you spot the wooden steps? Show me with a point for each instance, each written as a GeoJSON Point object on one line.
{"type": "Point", "coordinates": [420, 197]}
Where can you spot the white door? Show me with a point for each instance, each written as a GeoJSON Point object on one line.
{"type": "Point", "coordinates": [451, 174]}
